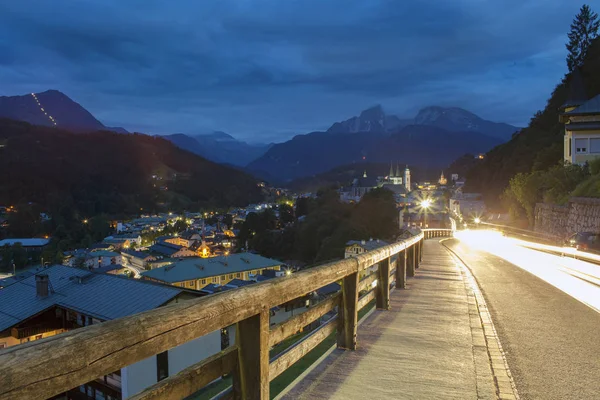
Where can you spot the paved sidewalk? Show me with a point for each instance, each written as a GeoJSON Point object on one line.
{"type": "Point", "coordinates": [423, 348]}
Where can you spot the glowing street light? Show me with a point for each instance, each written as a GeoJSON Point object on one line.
{"type": "Point", "coordinates": [85, 221]}
{"type": "Point", "coordinates": [426, 203]}
{"type": "Point", "coordinates": [288, 272]}
{"type": "Point", "coordinates": [477, 220]}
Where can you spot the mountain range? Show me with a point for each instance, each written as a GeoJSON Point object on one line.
{"type": "Point", "coordinates": [220, 147]}
{"type": "Point", "coordinates": [434, 138]}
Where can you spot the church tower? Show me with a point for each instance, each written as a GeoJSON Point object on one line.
{"type": "Point", "coordinates": [407, 179]}
{"type": "Point", "coordinates": [391, 171]}
{"type": "Point", "coordinates": [443, 181]}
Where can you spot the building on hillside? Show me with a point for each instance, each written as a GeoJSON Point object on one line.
{"type": "Point", "coordinates": [60, 298]}
{"type": "Point", "coordinates": [582, 123]}
{"type": "Point", "coordinates": [196, 273]}
{"type": "Point", "coordinates": [29, 244]}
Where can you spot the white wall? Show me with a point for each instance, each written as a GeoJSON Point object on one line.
{"type": "Point", "coordinates": [138, 376]}
{"type": "Point", "coordinates": [190, 353]}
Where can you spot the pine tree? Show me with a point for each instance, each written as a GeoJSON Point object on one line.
{"type": "Point", "coordinates": [584, 29]}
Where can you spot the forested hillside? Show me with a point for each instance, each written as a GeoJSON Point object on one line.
{"type": "Point", "coordinates": [536, 147]}
{"type": "Point", "coordinates": [106, 172]}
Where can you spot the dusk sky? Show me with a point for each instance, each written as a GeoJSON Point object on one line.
{"type": "Point", "coordinates": [266, 70]}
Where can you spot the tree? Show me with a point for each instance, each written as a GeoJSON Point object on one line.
{"type": "Point", "coordinates": [19, 255]}
{"type": "Point", "coordinates": [584, 29]}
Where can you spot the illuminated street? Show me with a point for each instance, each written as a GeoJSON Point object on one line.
{"type": "Point", "coordinates": [545, 309]}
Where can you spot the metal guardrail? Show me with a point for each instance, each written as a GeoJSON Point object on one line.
{"type": "Point", "coordinates": [47, 367]}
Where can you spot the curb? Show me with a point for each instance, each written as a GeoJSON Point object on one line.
{"type": "Point", "coordinates": [484, 334]}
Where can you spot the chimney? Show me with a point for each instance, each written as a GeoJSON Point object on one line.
{"type": "Point", "coordinates": [41, 285]}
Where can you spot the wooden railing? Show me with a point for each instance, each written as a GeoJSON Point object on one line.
{"type": "Point", "coordinates": [437, 232]}
{"type": "Point", "coordinates": [47, 367]}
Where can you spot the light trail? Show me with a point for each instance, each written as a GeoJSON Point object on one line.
{"type": "Point", "coordinates": [577, 278]}
{"type": "Point", "coordinates": [50, 117]}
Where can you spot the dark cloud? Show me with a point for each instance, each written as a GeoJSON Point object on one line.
{"type": "Point", "coordinates": [268, 69]}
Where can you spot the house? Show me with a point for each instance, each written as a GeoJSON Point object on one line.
{"type": "Point", "coordinates": [102, 258]}
{"type": "Point", "coordinates": [171, 250]}
{"type": "Point", "coordinates": [136, 259]}
{"type": "Point", "coordinates": [62, 298]}
{"type": "Point", "coordinates": [356, 247]}
{"type": "Point", "coordinates": [184, 240]}
{"type": "Point", "coordinates": [196, 273]}
{"type": "Point", "coordinates": [582, 123]}
{"type": "Point", "coordinates": [126, 240]}
{"type": "Point", "coordinates": [29, 244]}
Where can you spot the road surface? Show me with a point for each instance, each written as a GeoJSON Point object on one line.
{"type": "Point", "coordinates": [549, 326]}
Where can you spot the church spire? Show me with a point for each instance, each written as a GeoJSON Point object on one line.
{"type": "Point", "coordinates": [391, 170]}
{"type": "Point", "coordinates": [365, 174]}
{"type": "Point", "coordinates": [398, 174]}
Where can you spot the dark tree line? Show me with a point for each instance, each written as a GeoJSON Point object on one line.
{"type": "Point", "coordinates": [327, 225]}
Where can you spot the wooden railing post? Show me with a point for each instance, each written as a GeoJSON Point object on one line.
{"type": "Point", "coordinates": [421, 246]}
{"type": "Point", "coordinates": [401, 270]}
{"type": "Point", "coordinates": [348, 313]}
{"type": "Point", "coordinates": [410, 265]}
{"type": "Point", "coordinates": [417, 255]}
{"type": "Point", "coordinates": [382, 291]}
{"type": "Point", "coordinates": [252, 376]}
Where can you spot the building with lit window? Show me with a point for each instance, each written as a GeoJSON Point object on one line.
{"type": "Point", "coordinates": [582, 123]}
{"type": "Point", "coordinates": [60, 298]}
{"type": "Point", "coordinates": [196, 273]}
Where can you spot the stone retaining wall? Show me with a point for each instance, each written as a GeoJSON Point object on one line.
{"type": "Point", "coordinates": [581, 214]}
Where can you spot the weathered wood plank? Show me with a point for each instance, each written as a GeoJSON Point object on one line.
{"type": "Point", "coordinates": [300, 349]}
{"type": "Point", "coordinates": [348, 313]}
{"type": "Point", "coordinates": [287, 328]}
{"type": "Point", "coordinates": [193, 378]}
{"type": "Point", "coordinates": [382, 291]}
{"type": "Point", "coordinates": [365, 299]}
{"type": "Point", "coordinates": [367, 282]}
{"type": "Point", "coordinates": [47, 367]}
{"type": "Point", "coordinates": [401, 270]}
{"type": "Point", "coordinates": [410, 262]}
{"type": "Point", "coordinates": [252, 338]}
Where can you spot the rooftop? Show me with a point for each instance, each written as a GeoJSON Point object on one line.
{"type": "Point", "coordinates": [32, 242]}
{"type": "Point", "coordinates": [198, 268]}
{"type": "Point", "coordinates": [102, 296]}
{"type": "Point", "coordinates": [591, 106]}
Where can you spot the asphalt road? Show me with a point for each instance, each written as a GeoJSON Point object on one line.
{"type": "Point", "coordinates": [551, 340]}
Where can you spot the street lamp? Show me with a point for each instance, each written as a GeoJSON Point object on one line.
{"type": "Point", "coordinates": [425, 204]}
{"type": "Point", "coordinates": [477, 220]}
